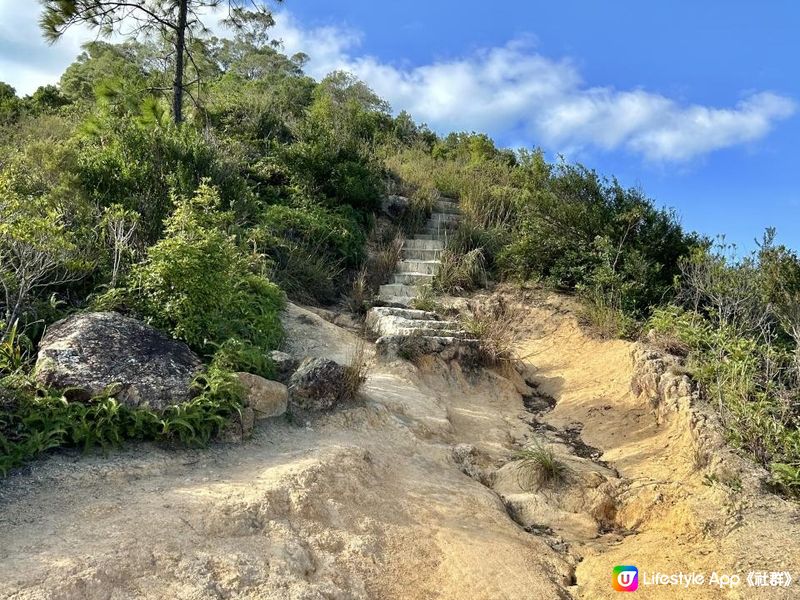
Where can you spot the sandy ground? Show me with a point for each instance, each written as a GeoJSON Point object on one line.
{"type": "Point", "coordinates": [409, 494]}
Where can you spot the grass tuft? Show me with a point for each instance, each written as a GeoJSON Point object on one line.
{"type": "Point", "coordinates": [539, 467]}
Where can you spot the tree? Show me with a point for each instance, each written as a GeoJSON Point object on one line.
{"type": "Point", "coordinates": [9, 103]}
{"type": "Point", "coordinates": [175, 21]}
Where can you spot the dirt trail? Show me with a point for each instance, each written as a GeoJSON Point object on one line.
{"type": "Point", "coordinates": [408, 494]}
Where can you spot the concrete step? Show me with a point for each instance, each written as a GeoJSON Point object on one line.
{"type": "Point", "coordinates": [398, 289]}
{"type": "Point", "coordinates": [393, 321]}
{"type": "Point", "coordinates": [395, 301]}
{"type": "Point", "coordinates": [379, 312]}
{"type": "Point", "coordinates": [446, 347]}
{"type": "Point", "coordinates": [441, 218]}
{"type": "Point", "coordinates": [412, 278]}
{"type": "Point", "coordinates": [424, 244]}
{"type": "Point", "coordinates": [417, 254]}
{"type": "Point", "coordinates": [429, 267]}
{"type": "Point", "coordinates": [446, 206]}
{"type": "Point", "coordinates": [425, 237]}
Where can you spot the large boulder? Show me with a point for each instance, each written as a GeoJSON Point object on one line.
{"type": "Point", "coordinates": [318, 384]}
{"type": "Point", "coordinates": [266, 398]}
{"type": "Point", "coordinates": [89, 352]}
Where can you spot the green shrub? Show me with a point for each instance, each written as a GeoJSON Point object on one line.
{"type": "Point", "coordinates": [197, 284]}
{"type": "Point", "coordinates": [143, 167]}
{"type": "Point", "coordinates": [337, 233]}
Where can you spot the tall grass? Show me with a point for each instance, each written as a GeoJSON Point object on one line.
{"type": "Point", "coordinates": [492, 326]}
{"type": "Point", "coordinates": [356, 370]}
{"type": "Point", "coordinates": [460, 272]}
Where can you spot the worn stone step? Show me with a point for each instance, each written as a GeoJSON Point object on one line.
{"type": "Point", "coordinates": [429, 267]}
{"type": "Point", "coordinates": [398, 289]}
{"type": "Point", "coordinates": [446, 206]}
{"type": "Point", "coordinates": [423, 244]}
{"type": "Point", "coordinates": [440, 231]}
{"type": "Point", "coordinates": [411, 314]}
{"type": "Point", "coordinates": [442, 218]}
{"type": "Point", "coordinates": [419, 254]}
{"type": "Point", "coordinates": [413, 278]}
{"type": "Point", "coordinates": [395, 301]}
{"type": "Point", "coordinates": [393, 321]}
{"type": "Point", "coordinates": [446, 347]}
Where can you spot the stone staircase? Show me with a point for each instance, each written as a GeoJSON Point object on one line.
{"type": "Point", "coordinates": [403, 331]}
{"type": "Point", "coordinates": [421, 254]}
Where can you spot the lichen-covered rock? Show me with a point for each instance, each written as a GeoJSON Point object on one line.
{"type": "Point", "coordinates": [266, 398]}
{"type": "Point", "coordinates": [90, 352]}
{"type": "Point", "coordinates": [318, 384]}
{"type": "Point", "coordinates": [285, 365]}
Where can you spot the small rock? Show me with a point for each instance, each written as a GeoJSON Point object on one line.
{"type": "Point", "coordinates": [89, 352]}
{"type": "Point", "coordinates": [318, 384]}
{"type": "Point", "coordinates": [239, 428]}
{"type": "Point", "coordinates": [285, 365]}
{"type": "Point", "coordinates": [395, 206]}
{"type": "Point", "coordinates": [266, 398]}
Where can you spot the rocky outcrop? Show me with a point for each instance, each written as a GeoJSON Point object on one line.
{"type": "Point", "coordinates": [318, 384]}
{"type": "Point", "coordinates": [266, 398]}
{"type": "Point", "coordinates": [395, 206]}
{"type": "Point", "coordinates": [88, 354]}
{"type": "Point", "coordinates": [660, 379]}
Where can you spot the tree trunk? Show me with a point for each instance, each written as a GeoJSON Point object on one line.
{"type": "Point", "coordinates": [177, 84]}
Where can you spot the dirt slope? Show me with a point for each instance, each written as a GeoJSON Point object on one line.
{"type": "Point", "coordinates": [409, 494]}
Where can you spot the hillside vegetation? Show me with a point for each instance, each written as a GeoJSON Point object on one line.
{"type": "Point", "coordinates": [271, 188]}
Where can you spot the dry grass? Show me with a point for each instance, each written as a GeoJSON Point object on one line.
{"type": "Point", "coordinates": [387, 257]}
{"type": "Point", "coordinates": [460, 272]}
{"type": "Point", "coordinates": [360, 293]}
{"type": "Point", "coordinates": [356, 371]}
{"type": "Point", "coordinates": [425, 299]}
{"type": "Point", "coordinates": [492, 325]}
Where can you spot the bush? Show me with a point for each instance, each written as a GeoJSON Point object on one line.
{"type": "Point", "coordinates": [41, 239]}
{"type": "Point", "coordinates": [337, 233]}
{"type": "Point", "coordinates": [197, 284]}
{"type": "Point", "coordinates": [143, 167]}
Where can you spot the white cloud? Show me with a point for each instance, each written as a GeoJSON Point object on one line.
{"type": "Point", "coordinates": [511, 91]}
{"type": "Point", "coordinates": [26, 61]}
{"type": "Point", "coordinates": [514, 91]}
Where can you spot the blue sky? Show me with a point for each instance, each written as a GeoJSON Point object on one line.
{"type": "Point", "coordinates": [696, 102]}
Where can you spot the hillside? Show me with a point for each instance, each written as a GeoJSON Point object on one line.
{"type": "Point", "coordinates": [263, 337]}
{"type": "Point", "coordinates": [410, 492]}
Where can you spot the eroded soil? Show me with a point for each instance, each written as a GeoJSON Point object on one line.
{"type": "Point", "coordinates": [409, 494]}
